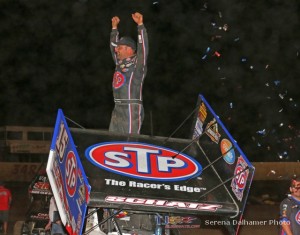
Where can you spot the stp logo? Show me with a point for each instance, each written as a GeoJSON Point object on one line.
{"type": "Point", "coordinates": [240, 179]}
{"type": "Point", "coordinates": [118, 80]}
{"type": "Point", "coordinates": [143, 161]}
{"type": "Point", "coordinates": [71, 175]}
{"type": "Point", "coordinates": [239, 182]}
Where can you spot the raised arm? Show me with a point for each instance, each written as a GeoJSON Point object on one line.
{"type": "Point", "coordinates": [142, 43]}
{"type": "Point", "coordinates": [114, 36]}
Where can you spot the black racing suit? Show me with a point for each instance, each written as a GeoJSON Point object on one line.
{"type": "Point", "coordinates": [128, 79]}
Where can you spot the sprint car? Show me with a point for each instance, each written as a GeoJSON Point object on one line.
{"type": "Point", "coordinates": [36, 216]}
{"type": "Point", "coordinates": [111, 183]}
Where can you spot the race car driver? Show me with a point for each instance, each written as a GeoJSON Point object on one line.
{"type": "Point", "coordinates": [131, 67]}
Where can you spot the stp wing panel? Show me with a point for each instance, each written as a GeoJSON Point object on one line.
{"type": "Point", "coordinates": [146, 173]}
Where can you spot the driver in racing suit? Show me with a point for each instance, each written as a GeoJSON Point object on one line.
{"type": "Point", "coordinates": [131, 68]}
{"type": "Point", "coordinates": [128, 114]}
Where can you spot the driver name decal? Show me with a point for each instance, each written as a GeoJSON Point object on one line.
{"type": "Point", "coordinates": [164, 203]}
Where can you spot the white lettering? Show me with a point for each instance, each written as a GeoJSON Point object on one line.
{"type": "Point", "coordinates": [184, 188]}
{"type": "Point", "coordinates": [115, 199]}
{"type": "Point", "coordinates": [117, 161]}
{"type": "Point", "coordinates": [62, 141]}
{"type": "Point", "coordinates": [115, 182]}
{"type": "Point", "coordinates": [143, 156]}
{"type": "Point", "coordinates": [162, 203]}
{"type": "Point", "coordinates": [165, 164]}
{"type": "Point", "coordinates": [147, 185]}
{"type": "Point", "coordinates": [176, 204]}
{"type": "Point", "coordinates": [135, 200]}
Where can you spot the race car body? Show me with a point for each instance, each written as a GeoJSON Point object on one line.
{"type": "Point", "coordinates": [206, 175]}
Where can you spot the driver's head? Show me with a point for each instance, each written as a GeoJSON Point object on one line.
{"type": "Point", "coordinates": [125, 48]}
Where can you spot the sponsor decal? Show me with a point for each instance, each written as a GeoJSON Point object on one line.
{"type": "Point", "coordinates": [163, 203]}
{"type": "Point", "coordinates": [238, 183]}
{"type": "Point", "coordinates": [143, 161]}
{"type": "Point", "coordinates": [212, 131]}
{"type": "Point", "coordinates": [284, 209]}
{"type": "Point", "coordinates": [180, 219]}
{"type": "Point", "coordinates": [40, 216]}
{"type": "Point", "coordinates": [61, 142]}
{"type": "Point", "coordinates": [118, 80]}
{"type": "Point", "coordinates": [202, 114]}
{"type": "Point", "coordinates": [71, 173]}
{"type": "Point", "coordinates": [297, 217]}
{"type": "Point", "coordinates": [129, 64]}
{"type": "Point", "coordinates": [178, 222]}
{"type": "Point", "coordinates": [42, 185]}
{"type": "Point", "coordinates": [227, 151]}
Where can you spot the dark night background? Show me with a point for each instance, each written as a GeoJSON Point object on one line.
{"type": "Point", "coordinates": [243, 56]}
